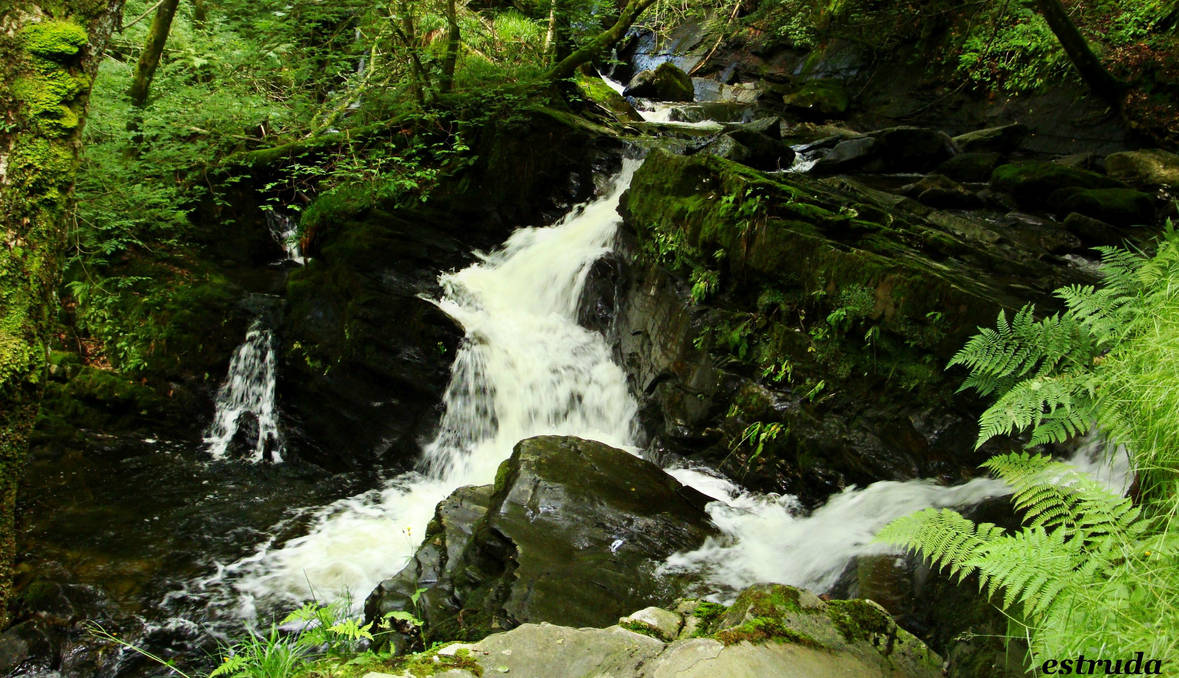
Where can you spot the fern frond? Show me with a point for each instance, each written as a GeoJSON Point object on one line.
{"type": "Point", "coordinates": [943, 536]}
{"type": "Point", "coordinates": [1054, 407]}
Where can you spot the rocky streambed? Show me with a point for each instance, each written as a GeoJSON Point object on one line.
{"type": "Point", "coordinates": [762, 313]}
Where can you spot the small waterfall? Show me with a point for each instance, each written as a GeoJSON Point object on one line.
{"type": "Point", "coordinates": [525, 368]}
{"type": "Point", "coordinates": [285, 231]}
{"type": "Point", "coordinates": [245, 402]}
{"type": "Point", "coordinates": [768, 538]}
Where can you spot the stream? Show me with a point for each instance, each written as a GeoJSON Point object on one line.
{"type": "Point", "coordinates": [220, 542]}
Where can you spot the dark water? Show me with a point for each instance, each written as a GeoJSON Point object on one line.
{"type": "Point", "coordinates": [129, 532]}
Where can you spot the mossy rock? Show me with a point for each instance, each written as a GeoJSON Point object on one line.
{"type": "Point", "coordinates": [970, 167]}
{"type": "Point", "coordinates": [1117, 206]}
{"type": "Point", "coordinates": [596, 90]}
{"type": "Point", "coordinates": [1032, 183]}
{"type": "Point", "coordinates": [1150, 168]}
{"type": "Point", "coordinates": [666, 83]}
{"type": "Point", "coordinates": [1002, 139]}
{"type": "Point", "coordinates": [821, 98]}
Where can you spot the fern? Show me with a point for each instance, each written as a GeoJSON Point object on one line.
{"type": "Point", "coordinates": [1077, 538]}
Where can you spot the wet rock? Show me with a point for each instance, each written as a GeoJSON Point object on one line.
{"type": "Point", "coordinates": [720, 111]}
{"type": "Point", "coordinates": [1032, 183]}
{"type": "Point", "coordinates": [768, 127]}
{"type": "Point", "coordinates": [1148, 169]}
{"type": "Point", "coordinates": [847, 155]}
{"type": "Point", "coordinates": [754, 144]}
{"type": "Point", "coordinates": [665, 83]}
{"type": "Point", "coordinates": [833, 254]}
{"type": "Point", "coordinates": [896, 149]}
{"type": "Point", "coordinates": [936, 190]}
{"type": "Point", "coordinates": [725, 146]}
{"type": "Point", "coordinates": [364, 359]}
{"type": "Point", "coordinates": [573, 531]}
{"type": "Point", "coordinates": [21, 644]}
{"type": "Point", "coordinates": [818, 98]}
{"type": "Point", "coordinates": [970, 166]}
{"type": "Point", "coordinates": [769, 631]}
{"type": "Point", "coordinates": [707, 89]}
{"type": "Point", "coordinates": [1092, 231]}
{"type": "Point", "coordinates": [1117, 206]}
{"type": "Point", "coordinates": [1003, 139]}
{"type": "Point", "coordinates": [814, 136]}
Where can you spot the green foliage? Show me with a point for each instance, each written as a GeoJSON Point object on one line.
{"type": "Point", "coordinates": [1087, 573]}
{"type": "Point", "coordinates": [1090, 571]}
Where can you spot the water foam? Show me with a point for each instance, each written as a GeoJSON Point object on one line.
{"type": "Point", "coordinates": [525, 368]}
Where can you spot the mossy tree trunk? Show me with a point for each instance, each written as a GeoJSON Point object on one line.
{"type": "Point", "coordinates": [1096, 77]}
{"type": "Point", "coordinates": [450, 58]}
{"type": "Point", "coordinates": [150, 58]}
{"type": "Point", "coordinates": [49, 53]}
{"type": "Point", "coordinates": [601, 42]}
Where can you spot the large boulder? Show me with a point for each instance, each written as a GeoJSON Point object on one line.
{"type": "Point", "coordinates": [666, 83]}
{"type": "Point", "coordinates": [1003, 139]}
{"type": "Point", "coordinates": [1150, 169]}
{"type": "Point", "coordinates": [970, 166]}
{"type": "Point", "coordinates": [1117, 206]}
{"type": "Point", "coordinates": [770, 630]}
{"type": "Point", "coordinates": [573, 531]}
{"type": "Point", "coordinates": [895, 149]}
{"type": "Point", "coordinates": [1032, 183]}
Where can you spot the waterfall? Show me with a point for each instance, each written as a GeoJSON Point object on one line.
{"type": "Point", "coordinates": [525, 368]}
{"type": "Point", "coordinates": [245, 405]}
{"type": "Point", "coordinates": [768, 538]}
{"type": "Point", "coordinates": [284, 230]}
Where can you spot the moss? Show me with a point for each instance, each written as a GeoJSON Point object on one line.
{"type": "Point", "coordinates": [708, 613]}
{"type": "Point", "coordinates": [430, 663]}
{"type": "Point", "coordinates": [1118, 206]}
{"type": "Point", "coordinates": [57, 40]}
{"type": "Point", "coordinates": [765, 629]}
{"type": "Point", "coordinates": [1032, 183]}
{"type": "Point", "coordinates": [643, 628]}
{"type": "Point", "coordinates": [860, 620]}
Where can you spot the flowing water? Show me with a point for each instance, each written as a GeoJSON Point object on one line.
{"type": "Point", "coordinates": [285, 231]}
{"type": "Point", "coordinates": [768, 538]}
{"type": "Point", "coordinates": [246, 397]}
{"type": "Point", "coordinates": [525, 368]}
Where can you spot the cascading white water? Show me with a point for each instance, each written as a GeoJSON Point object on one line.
{"type": "Point", "coordinates": [526, 368]}
{"type": "Point", "coordinates": [769, 539]}
{"type": "Point", "coordinates": [248, 390]}
{"type": "Point", "coordinates": [284, 230]}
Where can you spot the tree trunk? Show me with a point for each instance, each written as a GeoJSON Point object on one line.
{"type": "Point", "coordinates": [200, 13]}
{"type": "Point", "coordinates": [150, 58]}
{"type": "Point", "coordinates": [602, 42]}
{"type": "Point", "coordinates": [50, 54]}
{"type": "Point", "coordinates": [1096, 77]}
{"type": "Point", "coordinates": [450, 60]}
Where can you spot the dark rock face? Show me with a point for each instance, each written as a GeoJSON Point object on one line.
{"type": "Point", "coordinates": [666, 83]}
{"type": "Point", "coordinates": [365, 359]}
{"type": "Point", "coordinates": [818, 99]}
{"type": "Point", "coordinates": [572, 532]}
{"type": "Point", "coordinates": [832, 316]}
